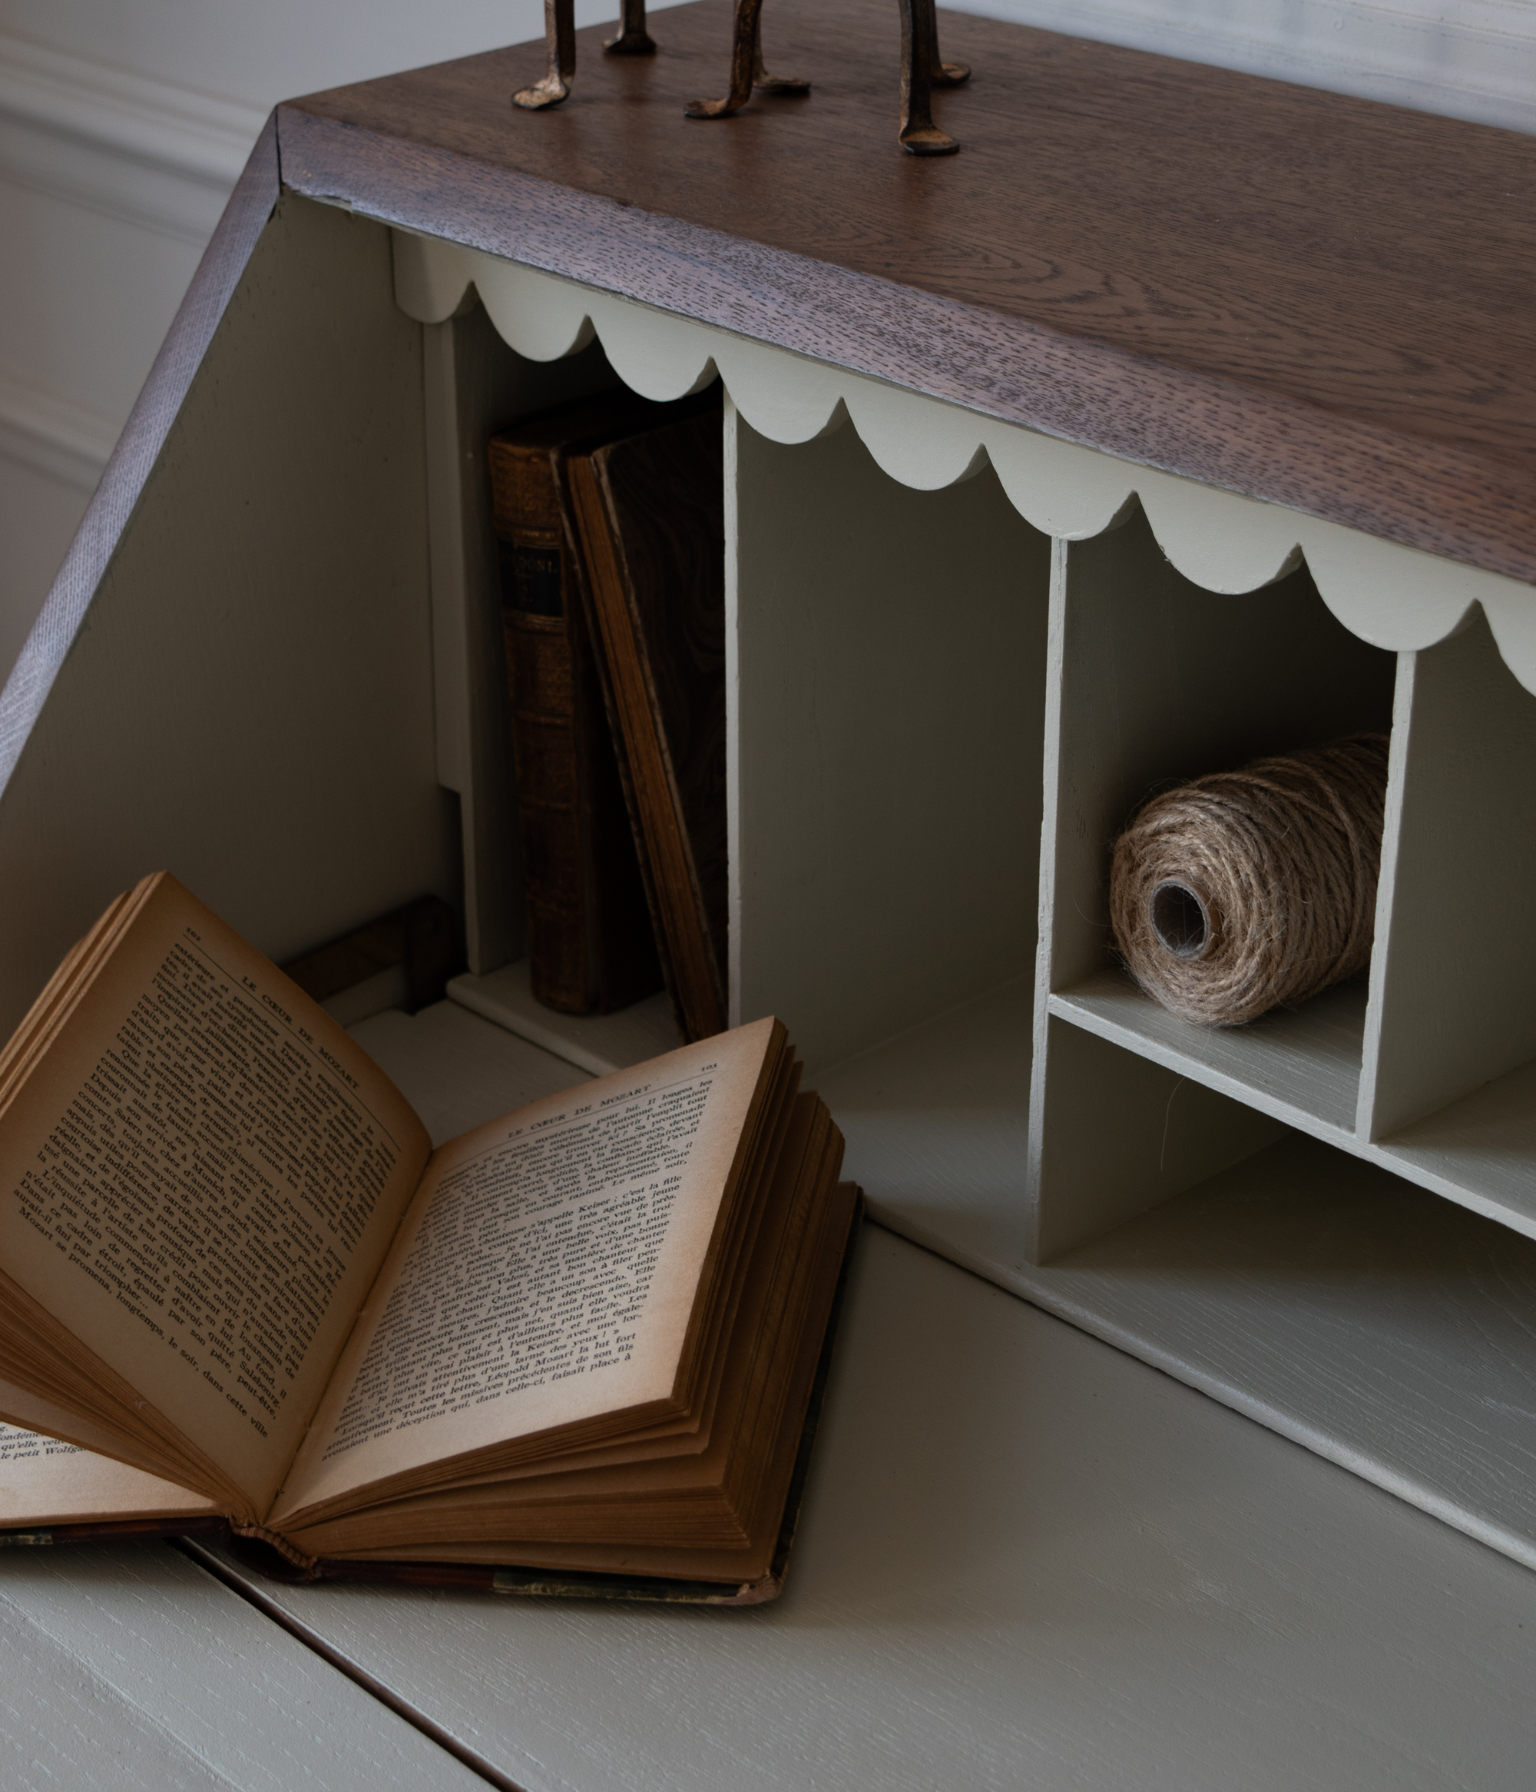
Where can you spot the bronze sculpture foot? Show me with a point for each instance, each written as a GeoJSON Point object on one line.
{"type": "Point", "coordinates": [921, 68]}
{"type": "Point", "coordinates": [633, 38]}
{"type": "Point", "coordinates": [919, 135]}
{"type": "Point", "coordinates": [560, 41]}
{"type": "Point", "coordinates": [746, 60]}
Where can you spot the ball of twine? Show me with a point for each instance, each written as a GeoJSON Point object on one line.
{"type": "Point", "coordinates": [1249, 890]}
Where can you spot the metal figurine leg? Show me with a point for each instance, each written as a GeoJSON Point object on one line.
{"type": "Point", "coordinates": [744, 56]}
{"type": "Point", "coordinates": [560, 39]}
{"type": "Point", "coordinates": [920, 64]}
{"type": "Point", "coordinates": [945, 74]}
{"type": "Point", "coordinates": [633, 38]}
{"type": "Point", "coordinates": [762, 81]}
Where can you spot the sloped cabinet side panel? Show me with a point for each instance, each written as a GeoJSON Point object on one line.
{"type": "Point", "coordinates": [247, 700]}
{"type": "Point", "coordinates": [138, 447]}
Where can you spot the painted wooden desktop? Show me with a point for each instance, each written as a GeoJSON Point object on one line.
{"type": "Point", "coordinates": [1140, 443]}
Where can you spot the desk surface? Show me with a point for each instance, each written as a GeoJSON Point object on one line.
{"type": "Point", "coordinates": [1096, 1580]}
{"type": "Point", "coordinates": [1058, 1570]}
{"type": "Point", "coordinates": [1309, 298]}
{"type": "Point", "coordinates": [1025, 1559]}
{"type": "Point", "coordinates": [127, 1666]}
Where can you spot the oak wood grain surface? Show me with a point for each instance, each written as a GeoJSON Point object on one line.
{"type": "Point", "coordinates": [1313, 299]}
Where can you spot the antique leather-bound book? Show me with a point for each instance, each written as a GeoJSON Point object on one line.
{"type": "Point", "coordinates": [651, 522]}
{"type": "Point", "coordinates": [576, 1348]}
{"type": "Point", "coordinates": [590, 943]}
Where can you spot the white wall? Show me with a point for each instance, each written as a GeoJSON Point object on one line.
{"type": "Point", "coordinates": [1472, 59]}
{"type": "Point", "coordinates": [124, 122]}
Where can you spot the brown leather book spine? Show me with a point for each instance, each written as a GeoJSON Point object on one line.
{"type": "Point", "coordinates": [643, 584]}
{"type": "Point", "coordinates": [589, 944]}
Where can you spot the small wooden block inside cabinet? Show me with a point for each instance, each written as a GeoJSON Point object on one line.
{"type": "Point", "coordinates": [1179, 418]}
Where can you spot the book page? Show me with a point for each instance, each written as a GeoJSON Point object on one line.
{"type": "Point", "coordinates": [199, 1179]}
{"type": "Point", "coordinates": [31, 1412]}
{"type": "Point", "coordinates": [43, 1483]}
{"type": "Point", "coordinates": [546, 1273]}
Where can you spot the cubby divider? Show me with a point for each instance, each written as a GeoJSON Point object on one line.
{"type": "Point", "coordinates": [1453, 982]}
{"type": "Point", "coordinates": [1155, 681]}
{"type": "Point", "coordinates": [886, 712]}
{"type": "Point", "coordinates": [1113, 1133]}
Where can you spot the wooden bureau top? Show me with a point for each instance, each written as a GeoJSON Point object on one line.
{"type": "Point", "coordinates": [1315, 300]}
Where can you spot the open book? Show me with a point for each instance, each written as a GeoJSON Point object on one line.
{"type": "Point", "coordinates": [581, 1338]}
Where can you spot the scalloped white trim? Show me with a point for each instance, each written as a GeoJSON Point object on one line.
{"type": "Point", "coordinates": [1394, 597]}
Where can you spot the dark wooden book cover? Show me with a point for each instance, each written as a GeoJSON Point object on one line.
{"type": "Point", "coordinates": [590, 941]}
{"type": "Point", "coordinates": [650, 511]}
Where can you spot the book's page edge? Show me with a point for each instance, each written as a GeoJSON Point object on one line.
{"type": "Point", "coordinates": [60, 1003]}
{"type": "Point", "coordinates": [654, 1400]}
{"type": "Point", "coordinates": [510, 1579]}
{"type": "Point", "coordinates": [514, 1580]}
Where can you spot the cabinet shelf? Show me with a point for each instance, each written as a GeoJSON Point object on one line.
{"type": "Point", "coordinates": [1301, 1065]}
{"type": "Point", "coordinates": [1480, 1150]}
{"type": "Point", "coordinates": [1364, 1317]}
{"type": "Point", "coordinates": [595, 1043]}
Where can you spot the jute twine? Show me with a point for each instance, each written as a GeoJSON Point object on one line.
{"type": "Point", "coordinates": [1253, 889]}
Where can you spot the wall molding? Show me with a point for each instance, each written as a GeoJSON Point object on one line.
{"type": "Point", "coordinates": [1470, 59]}
{"type": "Point", "coordinates": [52, 435]}
{"type": "Point", "coordinates": [153, 154]}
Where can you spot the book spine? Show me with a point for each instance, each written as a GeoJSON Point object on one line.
{"type": "Point", "coordinates": [590, 944]}
{"type": "Point", "coordinates": [672, 884]}
{"type": "Point", "coordinates": [542, 687]}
